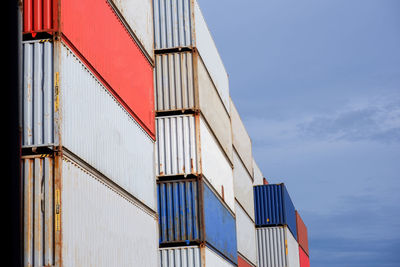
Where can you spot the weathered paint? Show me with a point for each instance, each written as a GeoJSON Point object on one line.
{"type": "Point", "coordinates": [241, 140]}
{"type": "Point", "coordinates": [182, 205]}
{"type": "Point", "coordinates": [302, 235]}
{"type": "Point", "coordinates": [303, 258]}
{"type": "Point", "coordinates": [99, 130]}
{"type": "Point", "coordinates": [37, 99]}
{"type": "Point", "coordinates": [258, 176]}
{"type": "Point", "coordinates": [102, 225]}
{"type": "Point", "coordinates": [188, 256]}
{"type": "Point", "coordinates": [246, 235]}
{"type": "Point", "coordinates": [276, 247]}
{"type": "Point", "coordinates": [38, 180]}
{"type": "Point", "coordinates": [273, 206]}
{"type": "Point", "coordinates": [243, 186]}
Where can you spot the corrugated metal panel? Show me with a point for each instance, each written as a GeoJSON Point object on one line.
{"type": "Point", "coordinates": [37, 94]}
{"type": "Point", "coordinates": [38, 180]}
{"type": "Point", "coordinates": [302, 235]}
{"type": "Point", "coordinates": [243, 186]}
{"type": "Point", "coordinates": [241, 140]}
{"type": "Point", "coordinates": [173, 23]}
{"type": "Point", "coordinates": [139, 16]}
{"type": "Point", "coordinates": [115, 57]}
{"type": "Point", "coordinates": [174, 81]}
{"type": "Point", "coordinates": [100, 131]}
{"type": "Point", "coordinates": [273, 206]}
{"type": "Point", "coordinates": [304, 258]}
{"type": "Point", "coordinates": [209, 53]}
{"type": "Point", "coordinates": [220, 225]}
{"type": "Point", "coordinates": [246, 235]}
{"type": "Point", "coordinates": [213, 109]}
{"type": "Point", "coordinates": [213, 259]}
{"type": "Point", "coordinates": [176, 146]}
{"type": "Point", "coordinates": [178, 209]}
{"type": "Point", "coordinates": [258, 176]}
{"type": "Point", "coordinates": [38, 16]}
{"type": "Point", "coordinates": [100, 226]}
{"type": "Point", "coordinates": [180, 257]}
{"type": "Point", "coordinates": [215, 166]}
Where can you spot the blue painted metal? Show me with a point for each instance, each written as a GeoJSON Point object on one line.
{"type": "Point", "coordinates": [273, 206]}
{"type": "Point", "coordinates": [220, 225]}
{"type": "Point", "coordinates": [178, 211]}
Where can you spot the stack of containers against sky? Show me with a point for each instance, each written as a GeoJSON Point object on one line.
{"type": "Point", "coordinates": [194, 157]}
{"type": "Point", "coordinates": [88, 133]}
{"type": "Point", "coordinates": [276, 228]}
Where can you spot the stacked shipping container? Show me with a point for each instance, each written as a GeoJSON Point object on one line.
{"type": "Point", "coordinates": [88, 128]}
{"type": "Point", "coordinates": [194, 142]}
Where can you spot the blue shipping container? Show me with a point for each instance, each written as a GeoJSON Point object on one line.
{"type": "Point", "coordinates": [273, 206]}
{"type": "Point", "coordinates": [180, 210]}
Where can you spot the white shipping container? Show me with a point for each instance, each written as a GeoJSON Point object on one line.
{"type": "Point", "coordinates": [138, 14]}
{"type": "Point", "coordinates": [102, 226]}
{"type": "Point", "coordinates": [96, 128]}
{"type": "Point", "coordinates": [241, 140]}
{"type": "Point", "coordinates": [246, 235]}
{"type": "Point", "coordinates": [277, 247]}
{"type": "Point", "coordinates": [258, 176]}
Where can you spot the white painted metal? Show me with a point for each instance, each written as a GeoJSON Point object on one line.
{"type": "Point", "coordinates": [38, 179]}
{"type": "Point", "coordinates": [176, 146]}
{"type": "Point", "coordinates": [215, 166]}
{"type": "Point", "coordinates": [241, 139]}
{"type": "Point", "coordinates": [37, 94]}
{"type": "Point", "coordinates": [277, 247]}
{"type": "Point", "coordinates": [101, 226]}
{"type": "Point", "coordinates": [246, 235]}
{"type": "Point", "coordinates": [188, 256]}
{"type": "Point", "coordinates": [243, 186]}
{"type": "Point", "coordinates": [98, 129]}
{"type": "Point", "coordinates": [213, 259]}
{"type": "Point", "coordinates": [139, 16]}
{"type": "Point", "coordinates": [258, 176]}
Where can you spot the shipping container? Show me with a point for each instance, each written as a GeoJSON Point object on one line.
{"type": "Point", "coordinates": [241, 140]}
{"type": "Point", "coordinates": [186, 146]}
{"type": "Point", "coordinates": [191, 256]}
{"type": "Point", "coordinates": [273, 206]}
{"type": "Point", "coordinates": [302, 235]}
{"type": "Point", "coordinates": [180, 24]}
{"type": "Point", "coordinates": [243, 186]}
{"type": "Point", "coordinates": [244, 263]}
{"type": "Point", "coordinates": [304, 258]}
{"type": "Point", "coordinates": [190, 212]}
{"type": "Point", "coordinates": [258, 176]}
{"type": "Point", "coordinates": [277, 247]}
{"type": "Point", "coordinates": [246, 235]}
{"type": "Point", "coordinates": [105, 45]}
{"type": "Point", "coordinates": [183, 83]}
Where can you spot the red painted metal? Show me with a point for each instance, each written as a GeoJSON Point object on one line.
{"type": "Point", "coordinates": [38, 16]}
{"type": "Point", "coordinates": [243, 263]}
{"type": "Point", "coordinates": [265, 181]}
{"type": "Point", "coordinates": [302, 235]}
{"type": "Point", "coordinates": [304, 259]}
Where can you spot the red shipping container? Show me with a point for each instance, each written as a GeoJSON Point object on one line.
{"type": "Point", "coordinates": [92, 29]}
{"type": "Point", "coordinates": [304, 259]}
{"type": "Point", "coordinates": [243, 263]}
{"type": "Point", "coordinates": [302, 235]}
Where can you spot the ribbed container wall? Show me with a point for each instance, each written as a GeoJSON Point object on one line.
{"type": "Point", "coordinates": [178, 210]}
{"type": "Point", "coordinates": [302, 235]}
{"type": "Point", "coordinates": [38, 16]}
{"type": "Point", "coordinates": [246, 235]}
{"type": "Point", "coordinates": [189, 256]}
{"type": "Point", "coordinates": [37, 97]}
{"type": "Point", "coordinates": [304, 258]}
{"type": "Point", "coordinates": [97, 128]}
{"type": "Point", "coordinates": [176, 146]}
{"type": "Point", "coordinates": [102, 226]}
{"type": "Point", "coordinates": [38, 182]}
{"type": "Point", "coordinates": [276, 247]}
{"type": "Point", "coordinates": [273, 206]}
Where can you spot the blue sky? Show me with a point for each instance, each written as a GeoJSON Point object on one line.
{"type": "Point", "coordinates": [317, 84]}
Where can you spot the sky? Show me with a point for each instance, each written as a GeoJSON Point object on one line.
{"type": "Point", "coordinates": [317, 85]}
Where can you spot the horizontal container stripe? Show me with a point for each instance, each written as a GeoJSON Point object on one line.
{"type": "Point", "coordinates": [37, 94]}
